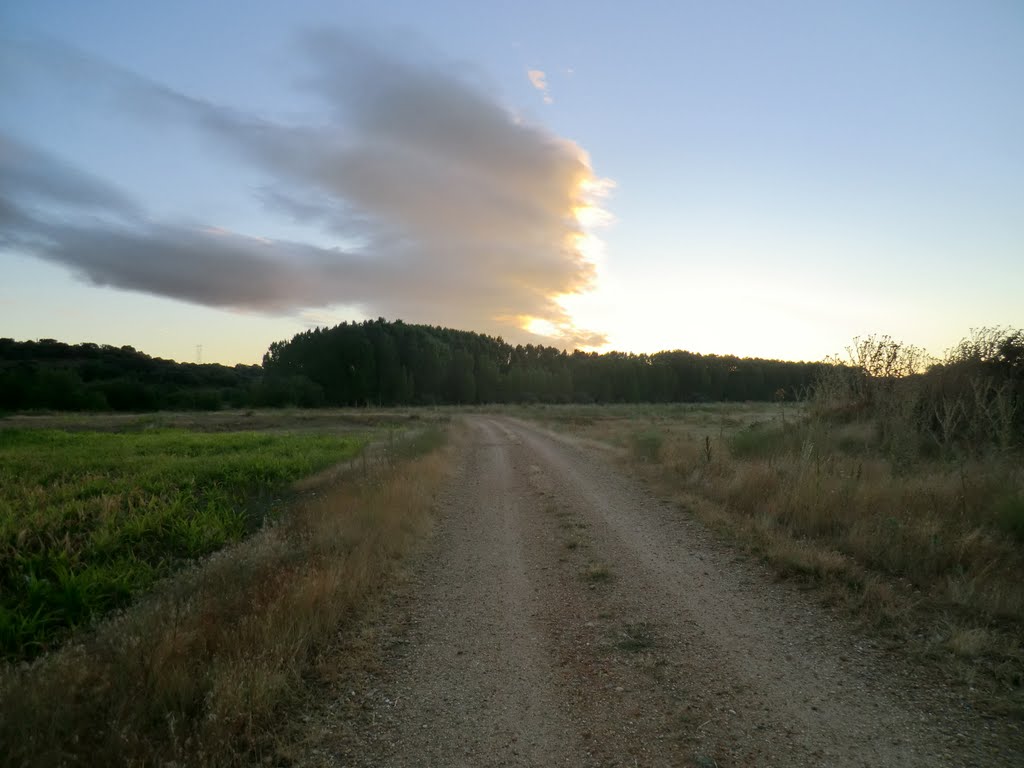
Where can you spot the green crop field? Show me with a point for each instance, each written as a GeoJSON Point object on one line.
{"type": "Point", "coordinates": [90, 519]}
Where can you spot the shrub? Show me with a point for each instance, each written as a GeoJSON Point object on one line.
{"type": "Point", "coordinates": [647, 445]}
{"type": "Point", "coordinates": [761, 441]}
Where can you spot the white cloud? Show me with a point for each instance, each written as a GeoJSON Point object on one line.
{"type": "Point", "coordinates": [539, 80]}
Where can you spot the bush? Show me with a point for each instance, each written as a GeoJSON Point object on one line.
{"type": "Point", "coordinates": [647, 445]}
{"type": "Point", "coordinates": [760, 440]}
{"type": "Point", "coordinates": [969, 404]}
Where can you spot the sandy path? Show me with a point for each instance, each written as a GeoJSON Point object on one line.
{"type": "Point", "coordinates": [565, 617]}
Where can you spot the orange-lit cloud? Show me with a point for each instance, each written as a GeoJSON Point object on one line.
{"type": "Point", "coordinates": [448, 209]}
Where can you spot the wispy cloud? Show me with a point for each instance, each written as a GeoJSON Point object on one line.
{"type": "Point", "coordinates": [31, 179]}
{"type": "Point", "coordinates": [451, 210]}
{"type": "Point", "coordinates": [539, 80]}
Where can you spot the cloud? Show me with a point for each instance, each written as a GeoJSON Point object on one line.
{"type": "Point", "coordinates": [539, 80]}
{"type": "Point", "coordinates": [448, 208]}
{"type": "Point", "coordinates": [39, 179]}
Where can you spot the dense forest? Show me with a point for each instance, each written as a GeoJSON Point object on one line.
{"type": "Point", "coordinates": [392, 363]}
{"type": "Point", "coordinates": [380, 363]}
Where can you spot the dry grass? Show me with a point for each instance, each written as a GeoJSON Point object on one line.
{"type": "Point", "coordinates": [928, 553]}
{"type": "Point", "coordinates": [201, 670]}
{"type": "Point", "coordinates": [321, 420]}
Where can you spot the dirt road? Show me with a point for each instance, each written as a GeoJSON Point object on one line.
{"type": "Point", "coordinates": [564, 617]}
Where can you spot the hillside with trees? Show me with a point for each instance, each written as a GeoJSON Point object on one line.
{"type": "Point", "coordinates": [393, 363]}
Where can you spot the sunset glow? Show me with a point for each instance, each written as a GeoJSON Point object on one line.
{"type": "Point", "coordinates": [540, 326]}
{"type": "Point", "coordinates": [739, 182]}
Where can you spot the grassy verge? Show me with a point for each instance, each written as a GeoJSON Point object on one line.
{"type": "Point", "coordinates": [89, 520]}
{"type": "Point", "coordinates": [290, 420]}
{"type": "Point", "coordinates": [202, 668]}
{"type": "Point", "coordinates": [928, 553]}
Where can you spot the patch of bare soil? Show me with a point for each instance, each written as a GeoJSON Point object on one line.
{"type": "Point", "coordinates": [563, 616]}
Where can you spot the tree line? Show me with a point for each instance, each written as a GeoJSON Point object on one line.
{"type": "Point", "coordinates": [381, 363]}
{"type": "Point", "coordinates": [378, 362]}
{"type": "Point", "coordinates": [49, 374]}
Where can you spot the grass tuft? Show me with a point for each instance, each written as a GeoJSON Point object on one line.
{"type": "Point", "coordinates": [597, 574]}
{"type": "Point", "coordinates": [636, 637]}
{"type": "Point", "coordinates": [969, 642]}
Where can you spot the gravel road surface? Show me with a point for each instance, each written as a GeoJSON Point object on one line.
{"type": "Point", "coordinates": [563, 616]}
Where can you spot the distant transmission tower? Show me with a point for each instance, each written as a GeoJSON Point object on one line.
{"type": "Point", "coordinates": [199, 353]}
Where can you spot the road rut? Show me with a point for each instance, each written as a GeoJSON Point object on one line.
{"type": "Point", "coordinates": [562, 616]}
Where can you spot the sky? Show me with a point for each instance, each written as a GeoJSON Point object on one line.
{"type": "Point", "coordinates": [760, 178]}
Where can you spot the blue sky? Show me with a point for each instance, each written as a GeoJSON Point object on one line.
{"type": "Point", "coordinates": [759, 178]}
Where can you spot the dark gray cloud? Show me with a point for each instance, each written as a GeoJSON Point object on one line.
{"type": "Point", "coordinates": [451, 210]}
{"type": "Point", "coordinates": [205, 266]}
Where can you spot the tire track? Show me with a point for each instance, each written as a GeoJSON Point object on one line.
{"type": "Point", "coordinates": [562, 616]}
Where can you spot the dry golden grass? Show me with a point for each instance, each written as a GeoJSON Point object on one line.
{"type": "Point", "coordinates": [927, 553]}
{"type": "Point", "coordinates": [201, 670]}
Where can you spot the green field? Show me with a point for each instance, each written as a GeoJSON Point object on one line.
{"type": "Point", "coordinates": [90, 519]}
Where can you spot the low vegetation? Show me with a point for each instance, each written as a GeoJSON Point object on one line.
{"type": "Point", "coordinates": [88, 520]}
{"type": "Point", "coordinates": [199, 669]}
{"type": "Point", "coordinates": [898, 488]}
{"type": "Point", "coordinates": [635, 637]}
{"type": "Point", "coordinates": [597, 573]}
